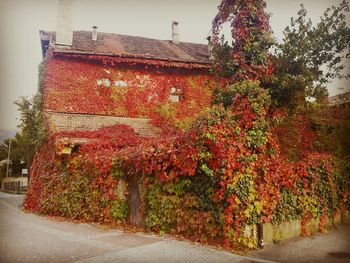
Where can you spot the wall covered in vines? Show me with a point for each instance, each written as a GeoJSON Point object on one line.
{"type": "Point", "coordinates": [223, 174]}
{"type": "Point", "coordinates": [81, 185]}
{"type": "Point", "coordinates": [122, 90]}
{"type": "Point", "coordinates": [232, 164]}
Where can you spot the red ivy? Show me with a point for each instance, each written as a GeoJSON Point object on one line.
{"type": "Point", "coordinates": [81, 87]}
{"type": "Point", "coordinates": [251, 37]}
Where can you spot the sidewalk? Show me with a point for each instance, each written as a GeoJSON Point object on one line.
{"type": "Point", "coordinates": [29, 238]}
{"type": "Point", "coordinates": [8, 195]}
{"type": "Point", "coordinates": [333, 246]}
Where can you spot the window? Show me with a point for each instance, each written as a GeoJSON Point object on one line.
{"type": "Point", "coordinates": [120, 83]}
{"type": "Point", "coordinates": [104, 82]}
{"type": "Point", "coordinates": [175, 94]}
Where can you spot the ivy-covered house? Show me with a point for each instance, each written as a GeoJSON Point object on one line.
{"type": "Point", "coordinates": [110, 103]}
{"type": "Point", "coordinates": [94, 79]}
{"type": "Point", "coordinates": [98, 85]}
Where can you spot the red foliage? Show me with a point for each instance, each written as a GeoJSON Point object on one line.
{"type": "Point", "coordinates": [230, 144]}
{"type": "Point", "coordinates": [81, 87]}
{"type": "Point", "coordinates": [251, 37]}
{"type": "Point", "coordinates": [32, 201]}
{"type": "Point", "coordinates": [295, 134]}
{"type": "Point", "coordinates": [95, 154]}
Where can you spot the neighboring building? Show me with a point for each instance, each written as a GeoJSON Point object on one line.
{"type": "Point", "coordinates": [14, 184]}
{"type": "Point", "coordinates": [340, 101]}
{"type": "Point", "coordinates": [94, 79]}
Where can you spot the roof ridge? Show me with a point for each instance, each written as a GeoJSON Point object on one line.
{"type": "Point", "coordinates": [113, 44]}
{"type": "Point", "coordinates": [137, 36]}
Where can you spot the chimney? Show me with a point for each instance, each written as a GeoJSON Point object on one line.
{"type": "Point", "coordinates": [175, 32]}
{"type": "Point", "coordinates": [210, 47]}
{"type": "Point", "coordinates": [64, 30]}
{"type": "Point", "coordinates": [94, 33]}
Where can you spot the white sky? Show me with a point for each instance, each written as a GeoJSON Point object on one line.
{"type": "Point", "coordinates": [21, 20]}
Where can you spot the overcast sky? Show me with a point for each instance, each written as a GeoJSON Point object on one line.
{"type": "Point", "coordinates": [21, 20]}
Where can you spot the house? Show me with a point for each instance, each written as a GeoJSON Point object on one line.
{"type": "Point", "coordinates": [93, 79]}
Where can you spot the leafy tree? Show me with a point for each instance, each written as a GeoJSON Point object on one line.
{"type": "Point", "coordinates": [251, 40]}
{"type": "Point", "coordinates": [17, 156]}
{"type": "Point", "coordinates": [222, 63]}
{"type": "Point", "coordinates": [310, 56]}
{"type": "Point", "coordinates": [32, 131]}
{"type": "Point", "coordinates": [303, 64]}
{"type": "Point", "coordinates": [248, 58]}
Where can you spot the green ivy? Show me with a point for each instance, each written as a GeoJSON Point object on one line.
{"type": "Point", "coordinates": [116, 170]}
{"type": "Point", "coordinates": [288, 208]}
{"type": "Point", "coordinates": [119, 209]}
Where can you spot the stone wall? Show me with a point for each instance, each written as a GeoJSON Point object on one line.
{"type": "Point", "coordinates": [277, 233]}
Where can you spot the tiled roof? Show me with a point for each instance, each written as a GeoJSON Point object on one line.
{"type": "Point", "coordinates": [132, 46]}
{"type": "Point", "coordinates": [78, 122]}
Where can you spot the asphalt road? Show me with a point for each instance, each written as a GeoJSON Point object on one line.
{"type": "Point", "coordinates": [31, 238]}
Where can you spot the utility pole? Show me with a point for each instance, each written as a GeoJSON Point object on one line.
{"type": "Point", "coordinates": [8, 159]}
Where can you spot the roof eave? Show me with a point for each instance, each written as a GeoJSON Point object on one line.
{"type": "Point", "coordinates": [128, 56]}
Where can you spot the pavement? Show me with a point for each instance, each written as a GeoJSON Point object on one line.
{"type": "Point", "coordinates": [31, 238]}
{"type": "Point", "coordinates": [332, 246]}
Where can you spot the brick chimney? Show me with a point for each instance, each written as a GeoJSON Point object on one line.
{"type": "Point", "coordinates": [175, 32]}
{"type": "Point", "coordinates": [64, 30]}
